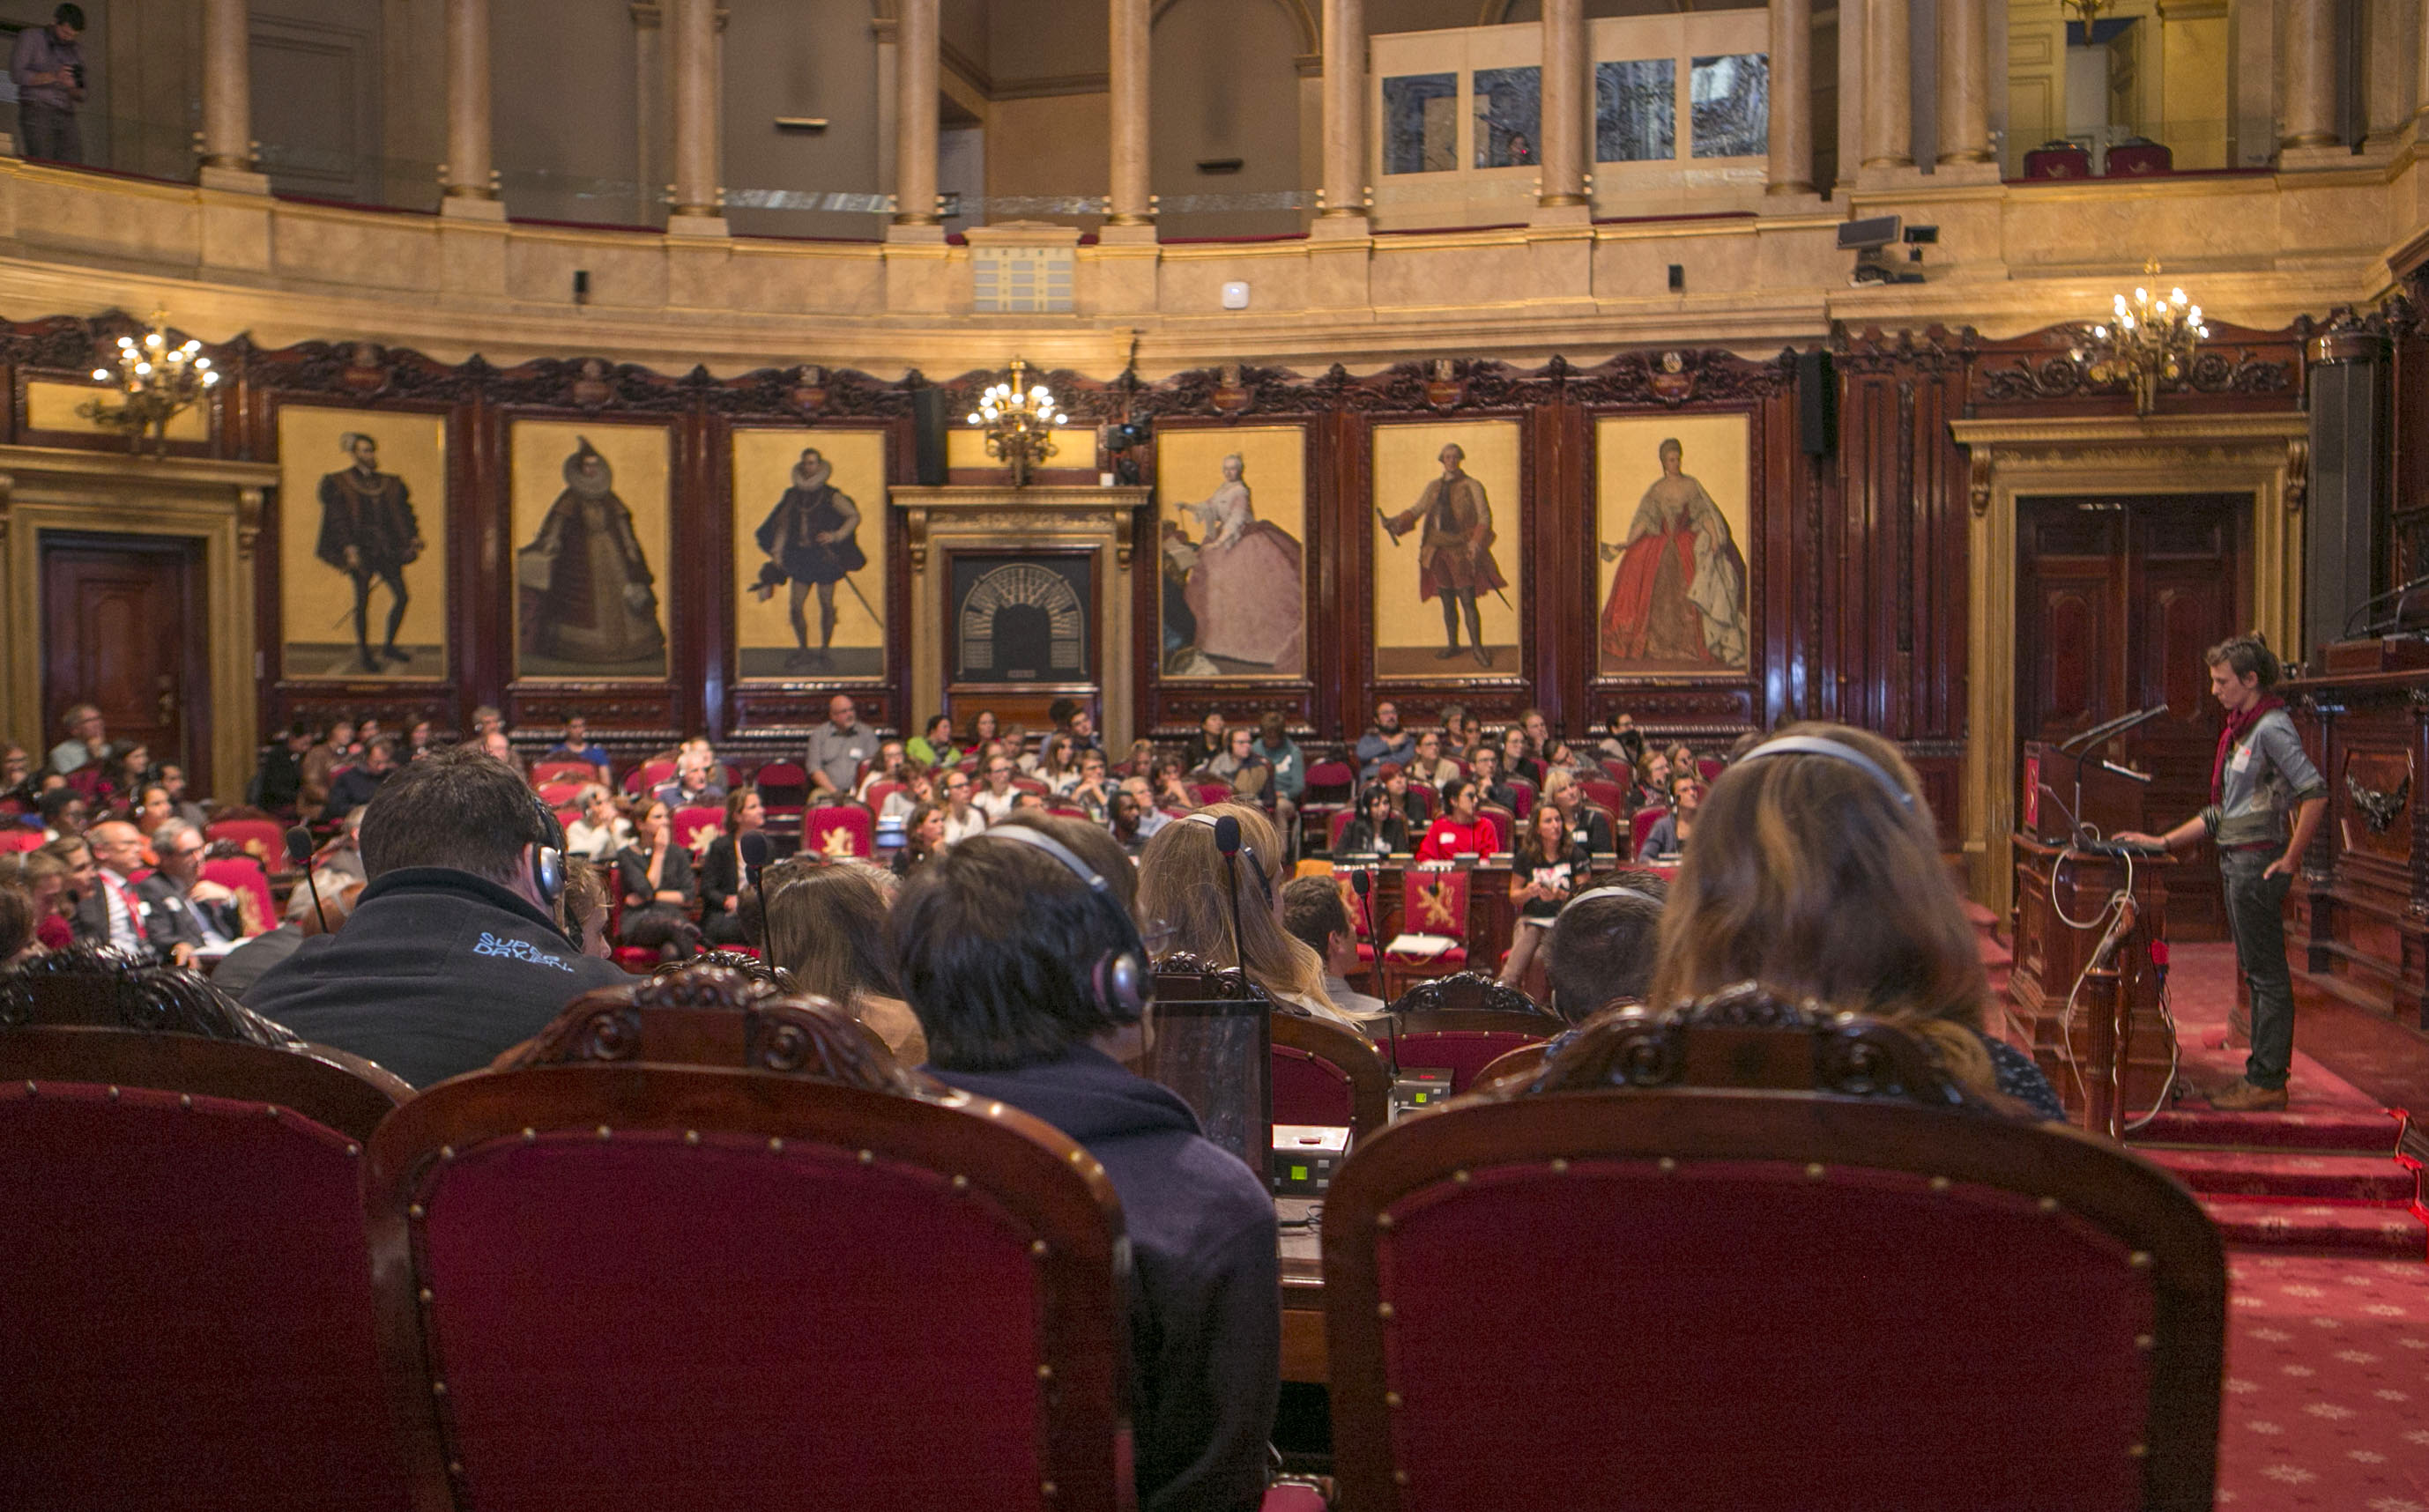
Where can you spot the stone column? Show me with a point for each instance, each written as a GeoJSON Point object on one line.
{"type": "Point", "coordinates": [2306, 75]}
{"type": "Point", "coordinates": [1127, 104]}
{"type": "Point", "coordinates": [1964, 82]}
{"type": "Point", "coordinates": [1791, 97]}
{"type": "Point", "coordinates": [470, 180]}
{"type": "Point", "coordinates": [2391, 68]}
{"type": "Point", "coordinates": [1563, 130]}
{"type": "Point", "coordinates": [691, 44]}
{"type": "Point", "coordinates": [227, 87]}
{"type": "Point", "coordinates": [1889, 83]}
{"type": "Point", "coordinates": [1344, 115]}
{"type": "Point", "coordinates": [915, 143]}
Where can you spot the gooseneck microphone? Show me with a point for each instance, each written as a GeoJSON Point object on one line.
{"type": "Point", "coordinates": [754, 848]}
{"type": "Point", "coordinates": [1227, 842]}
{"type": "Point", "coordinates": [1363, 882]}
{"type": "Point", "coordinates": [299, 850]}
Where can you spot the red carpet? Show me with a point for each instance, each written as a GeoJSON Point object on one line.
{"type": "Point", "coordinates": [2326, 1402]}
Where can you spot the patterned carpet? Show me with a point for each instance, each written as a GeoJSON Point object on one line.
{"type": "Point", "coordinates": [2326, 1402]}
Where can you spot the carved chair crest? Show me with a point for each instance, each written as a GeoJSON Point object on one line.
{"type": "Point", "coordinates": [95, 987]}
{"type": "Point", "coordinates": [1467, 991]}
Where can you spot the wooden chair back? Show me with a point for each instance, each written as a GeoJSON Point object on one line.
{"type": "Point", "coordinates": [1797, 1216]}
{"type": "Point", "coordinates": [191, 1322]}
{"type": "Point", "coordinates": [780, 1286]}
{"type": "Point", "coordinates": [1463, 1043]}
{"type": "Point", "coordinates": [1327, 1075]}
{"type": "Point", "coordinates": [841, 831]}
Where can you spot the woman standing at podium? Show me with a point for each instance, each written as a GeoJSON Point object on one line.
{"type": "Point", "coordinates": [2259, 773]}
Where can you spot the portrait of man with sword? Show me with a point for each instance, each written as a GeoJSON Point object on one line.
{"type": "Point", "coordinates": [1455, 552]}
{"type": "Point", "coordinates": [810, 540]}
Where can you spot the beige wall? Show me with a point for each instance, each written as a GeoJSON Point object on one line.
{"type": "Point", "coordinates": [784, 58]}
{"type": "Point", "coordinates": [1248, 108]}
{"type": "Point", "coordinates": [566, 113]}
{"type": "Point", "coordinates": [1050, 145]}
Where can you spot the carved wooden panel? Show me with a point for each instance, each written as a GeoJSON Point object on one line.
{"type": "Point", "coordinates": [2375, 814]}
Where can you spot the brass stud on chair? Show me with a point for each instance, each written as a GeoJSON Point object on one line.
{"type": "Point", "coordinates": [2144, 1342]}
{"type": "Point", "coordinates": [414, 1211]}
{"type": "Point", "coordinates": [1383, 1220]}
{"type": "Point", "coordinates": [1045, 1488]}
{"type": "Point", "coordinates": [437, 1388]}
{"type": "Point", "coordinates": [1399, 1477]}
{"type": "Point", "coordinates": [1391, 1399]}
{"type": "Point", "coordinates": [775, 1145]}
{"type": "Point", "coordinates": [961, 1183]}
{"type": "Point", "coordinates": [2136, 1450]}
{"type": "Point", "coordinates": [531, 1135]}
{"type": "Point", "coordinates": [447, 1152]}
{"type": "Point", "coordinates": [1939, 1183]}
{"type": "Point", "coordinates": [185, 1100]}
{"type": "Point", "coordinates": [1044, 1372]}
{"type": "Point", "coordinates": [2049, 1205]}
{"type": "Point", "coordinates": [29, 1087]}
{"type": "Point", "coordinates": [1667, 1164]}
{"type": "Point", "coordinates": [272, 1109]}
{"type": "Point", "coordinates": [605, 1133]}
{"type": "Point", "coordinates": [423, 1294]}
{"type": "Point", "coordinates": [1382, 1310]}
{"type": "Point", "coordinates": [114, 1094]}
{"type": "Point", "coordinates": [455, 1467]}
{"type": "Point", "coordinates": [691, 1135]}
{"type": "Point", "coordinates": [2139, 1259]}
{"type": "Point", "coordinates": [1460, 1177]}
{"type": "Point", "coordinates": [353, 1150]}
{"type": "Point", "coordinates": [1560, 1166]}
{"type": "Point", "coordinates": [1817, 1171]}
{"type": "Point", "coordinates": [1037, 1247]}
{"type": "Point", "coordinates": [868, 1157]}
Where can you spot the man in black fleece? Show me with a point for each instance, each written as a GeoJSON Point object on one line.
{"type": "Point", "coordinates": [998, 946]}
{"type": "Point", "coordinates": [452, 955]}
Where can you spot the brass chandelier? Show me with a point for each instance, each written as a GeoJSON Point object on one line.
{"type": "Point", "coordinates": [159, 383]}
{"type": "Point", "coordinates": [2147, 342]}
{"type": "Point", "coordinates": [1020, 421]}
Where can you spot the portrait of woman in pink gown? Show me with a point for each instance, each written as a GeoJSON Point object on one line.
{"type": "Point", "coordinates": [1242, 584]}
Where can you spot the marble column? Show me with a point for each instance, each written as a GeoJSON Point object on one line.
{"type": "Point", "coordinates": [1791, 97]}
{"type": "Point", "coordinates": [468, 174]}
{"type": "Point", "coordinates": [2306, 74]}
{"type": "Point", "coordinates": [1344, 109]}
{"type": "Point", "coordinates": [1889, 83]}
{"type": "Point", "coordinates": [227, 86]}
{"type": "Point", "coordinates": [1964, 82]}
{"type": "Point", "coordinates": [691, 44]}
{"type": "Point", "coordinates": [2391, 67]}
{"type": "Point", "coordinates": [1563, 130]}
{"type": "Point", "coordinates": [915, 142]}
{"type": "Point", "coordinates": [1127, 104]}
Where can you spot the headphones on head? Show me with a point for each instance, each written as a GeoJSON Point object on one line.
{"type": "Point", "coordinates": [1122, 980]}
{"type": "Point", "coordinates": [548, 856]}
{"type": "Point", "coordinates": [1247, 852]}
{"type": "Point", "coordinates": [1837, 751]}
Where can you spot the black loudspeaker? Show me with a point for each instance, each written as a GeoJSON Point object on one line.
{"type": "Point", "coordinates": [928, 433]}
{"type": "Point", "coordinates": [1817, 404]}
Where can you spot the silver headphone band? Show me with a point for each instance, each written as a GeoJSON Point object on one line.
{"type": "Point", "coordinates": [1613, 890]}
{"type": "Point", "coordinates": [1836, 750]}
{"type": "Point", "coordinates": [1040, 840]}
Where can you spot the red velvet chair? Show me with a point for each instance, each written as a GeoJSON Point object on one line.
{"type": "Point", "coordinates": [1505, 825]}
{"type": "Point", "coordinates": [191, 1323]}
{"type": "Point", "coordinates": [878, 792]}
{"type": "Point", "coordinates": [2138, 158]}
{"type": "Point", "coordinates": [780, 1291]}
{"type": "Point", "coordinates": [1207, 793]}
{"type": "Point", "coordinates": [1359, 909]}
{"type": "Point", "coordinates": [648, 775]}
{"type": "Point", "coordinates": [1329, 784]}
{"type": "Point", "coordinates": [544, 773]}
{"type": "Point", "coordinates": [1773, 1291]}
{"type": "Point", "coordinates": [1464, 1023]}
{"type": "Point", "coordinates": [1608, 796]}
{"type": "Point", "coordinates": [1642, 825]}
{"type": "Point", "coordinates": [264, 840]}
{"type": "Point", "coordinates": [1326, 1076]}
{"type": "Point", "coordinates": [691, 820]}
{"type": "Point", "coordinates": [1619, 771]}
{"type": "Point", "coordinates": [1709, 769]}
{"type": "Point", "coordinates": [841, 831]}
{"type": "Point", "coordinates": [1432, 902]}
{"type": "Point", "coordinates": [15, 838]}
{"type": "Point", "coordinates": [1031, 784]}
{"type": "Point", "coordinates": [2059, 159]}
{"type": "Point", "coordinates": [1522, 794]}
{"type": "Point", "coordinates": [784, 791]}
{"type": "Point", "coordinates": [256, 905]}
{"type": "Point", "coordinates": [558, 795]}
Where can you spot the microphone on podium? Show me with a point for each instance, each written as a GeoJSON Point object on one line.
{"type": "Point", "coordinates": [299, 850]}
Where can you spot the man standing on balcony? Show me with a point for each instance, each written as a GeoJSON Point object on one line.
{"type": "Point", "coordinates": [48, 68]}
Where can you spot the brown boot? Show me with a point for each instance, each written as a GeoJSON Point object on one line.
{"type": "Point", "coordinates": [2243, 1097]}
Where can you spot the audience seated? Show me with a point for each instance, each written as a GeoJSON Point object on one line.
{"type": "Point", "coordinates": [923, 837]}
{"type": "Point", "coordinates": [248, 962]}
{"type": "Point", "coordinates": [837, 749]}
{"type": "Point", "coordinates": [1380, 829]}
{"type": "Point", "coordinates": [826, 925]}
{"type": "Point", "coordinates": [720, 869]}
{"type": "Point", "coordinates": [453, 952]}
{"type": "Point", "coordinates": [1018, 965]}
{"type": "Point", "coordinates": [1604, 945]}
{"type": "Point", "coordinates": [353, 787]}
{"type": "Point", "coordinates": [1187, 885]}
{"type": "Point", "coordinates": [1818, 878]}
{"type": "Point", "coordinates": [934, 746]}
{"type": "Point", "coordinates": [1428, 765]}
{"type": "Point", "coordinates": [1314, 914]}
{"type": "Point", "coordinates": [110, 913]}
{"type": "Point", "coordinates": [1458, 831]}
{"type": "Point", "coordinates": [588, 916]}
{"type": "Point", "coordinates": [1548, 867]}
{"type": "Point", "coordinates": [577, 745]}
{"type": "Point", "coordinates": [184, 914]}
{"type": "Point", "coordinates": [601, 830]}
{"type": "Point", "coordinates": [43, 876]}
{"type": "Point", "coordinates": [1590, 826]}
{"type": "Point", "coordinates": [278, 784]}
{"type": "Point", "coordinates": [63, 812]}
{"type": "Point", "coordinates": [17, 916]}
{"type": "Point", "coordinates": [1668, 836]}
{"type": "Point", "coordinates": [995, 798]}
{"type": "Point", "coordinates": [694, 784]}
{"type": "Point", "coordinates": [1385, 741]}
{"type": "Point", "coordinates": [654, 882]}
{"type": "Point", "coordinates": [961, 820]}
{"type": "Point", "coordinates": [1206, 745]}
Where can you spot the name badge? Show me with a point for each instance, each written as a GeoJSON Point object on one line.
{"type": "Point", "coordinates": [2240, 761]}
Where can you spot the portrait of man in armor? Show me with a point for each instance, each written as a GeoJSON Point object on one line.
{"type": "Point", "coordinates": [809, 553]}
{"type": "Point", "coordinates": [811, 540]}
{"type": "Point", "coordinates": [363, 555]}
{"type": "Point", "coordinates": [368, 531]}
{"type": "Point", "coordinates": [1447, 507]}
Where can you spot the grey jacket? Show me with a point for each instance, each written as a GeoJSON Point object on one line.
{"type": "Point", "coordinates": [2267, 774]}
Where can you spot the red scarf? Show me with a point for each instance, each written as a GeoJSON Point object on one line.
{"type": "Point", "coordinates": [2236, 725]}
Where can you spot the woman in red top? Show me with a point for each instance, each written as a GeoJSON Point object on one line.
{"type": "Point", "coordinates": [1459, 831]}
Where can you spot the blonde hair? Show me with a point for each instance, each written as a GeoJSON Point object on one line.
{"type": "Point", "coordinates": [1182, 882]}
{"type": "Point", "coordinates": [1810, 876]}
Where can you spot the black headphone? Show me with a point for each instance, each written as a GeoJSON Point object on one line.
{"type": "Point", "coordinates": [548, 856]}
{"type": "Point", "coordinates": [1248, 853]}
{"type": "Point", "coordinates": [1122, 980]}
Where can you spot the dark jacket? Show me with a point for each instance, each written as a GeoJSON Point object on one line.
{"type": "Point", "coordinates": [172, 919]}
{"type": "Point", "coordinates": [350, 789]}
{"type": "Point", "coordinates": [280, 780]}
{"type": "Point", "coordinates": [632, 874]}
{"type": "Point", "coordinates": [1206, 1286]}
{"type": "Point", "coordinates": [434, 974]}
{"type": "Point", "coordinates": [248, 962]}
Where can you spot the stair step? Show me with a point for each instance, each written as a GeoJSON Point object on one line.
{"type": "Point", "coordinates": [2291, 1173]}
{"type": "Point", "coordinates": [2360, 1229]}
{"type": "Point", "coordinates": [2353, 1133]}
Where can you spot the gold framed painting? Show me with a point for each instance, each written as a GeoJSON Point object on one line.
{"type": "Point", "coordinates": [588, 514]}
{"type": "Point", "coordinates": [1447, 550]}
{"type": "Point", "coordinates": [809, 554]}
{"type": "Point", "coordinates": [1231, 531]}
{"type": "Point", "coordinates": [362, 544]}
{"type": "Point", "coordinates": [1672, 512]}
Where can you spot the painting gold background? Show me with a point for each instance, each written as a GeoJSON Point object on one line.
{"type": "Point", "coordinates": [1075, 446]}
{"type": "Point", "coordinates": [1273, 462]}
{"type": "Point", "coordinates": [637, 456]}
{"type": "Point", "coordinates": [54, 406]}
{"type": "Point", "coordinates": [1405, 461]}
{"type": "Point", "coordinates": [1627, 457]}
{"type": "Point", "coordinates": [316, 600]}
{"type": "Point", "coordinates": [763, 469]}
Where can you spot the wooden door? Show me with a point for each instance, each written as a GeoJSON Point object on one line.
{"type": "Point", "coordinates": [2116, 600]}
{"type": "Point", "coordinates": [123, 626]}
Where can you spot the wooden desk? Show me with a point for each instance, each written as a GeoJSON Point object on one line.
{"type": "Point", "coordinates": [1303, 1350]}
{"type": "Point", "coordinates": [2120, 997]}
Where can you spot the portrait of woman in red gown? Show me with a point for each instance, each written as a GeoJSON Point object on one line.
{"type": "Point", "coordinates": [1680, 596]}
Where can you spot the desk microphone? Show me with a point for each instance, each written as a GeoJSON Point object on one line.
{"type": "Point", "coordinates": [1227, 842]}
{"type": "Point", "coordinates": [754, 846]}
{"type": "Point", "coordinates": [299, 850]}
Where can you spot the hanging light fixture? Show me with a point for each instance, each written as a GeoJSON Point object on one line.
{"type": "Point", "coordinates": [158, 382]}
{"type": "Point", "coordinates": [2148, 341]}
{"type": "Point", "coordinates": [1019, 421]}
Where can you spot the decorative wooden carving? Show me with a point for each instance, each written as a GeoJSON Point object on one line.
{"type": "Point", "coordinates": [1467, 991]}
{"type": "Point", "coordinates": [714, 1015]}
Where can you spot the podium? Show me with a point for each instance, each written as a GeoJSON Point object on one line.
{"type": "Point", "coordinates": [2117, 1001]}
{"type": "Point", "coordinates": [2110, 802]}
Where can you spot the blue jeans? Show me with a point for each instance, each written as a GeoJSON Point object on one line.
{"type": "Point", "coordinates": [2256, 917]}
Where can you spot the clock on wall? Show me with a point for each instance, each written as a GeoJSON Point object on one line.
{"type": "Point", "coordinates": [1023, 618]}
